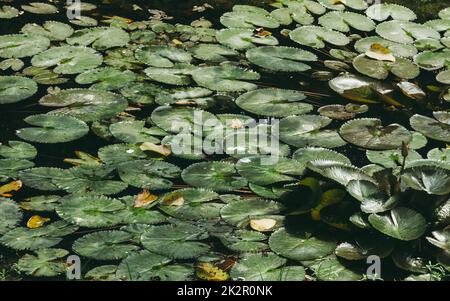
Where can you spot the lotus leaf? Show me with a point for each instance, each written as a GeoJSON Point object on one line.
{"type": "Point", "coordinates": [391, 158]}
{"type": "Point", "coordinates": [442, 154]}
{"type": "Point", "coordinates": [84, 21]}
{"type": "Point", "coordinates": [298, 11]}
{"type": "Point", "coordinates": [18, 150]}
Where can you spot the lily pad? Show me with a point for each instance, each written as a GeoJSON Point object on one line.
{"type": "Point", "coordinates": [178, 75]}
{"type": "Point", "coordinates": [304, 155]}
{"type": "Point", "coordinates": [175, 241]}
{"type": "Point", "coordinates": [265, 267]}
{"type": "Point", "coordinates": [105, 245]}
{"type": "Point", "coordinates": [22, 45]}
{"type": "Point", "coordinates": [401, 223]}
{"type": "Point", "coordinates": [341, 5]}
{"type": "Point", "coordinates": [8, 12]}
{"type": "Point", "coordinates": [242, 38]}
{"type": "Point", "coordinates": [316, 36]}
{"type": "Point", "coordinates": [46, 263]}
{"type": "Point", "coordinates": [218, 176]}
{"type": "Point", "coordinates": [405, 32]}
{"type": "Point", "coordinates": [53, 129]}
{"type": "Point", "coordinates": [212, 52]}
{"type": "Point", "coordinates": [281, 58]}
{"type": "Point", "coordinates": [68, 59]}
{"type": "Point", "coordinates": [384, 11]}
{"type": "Point", "coordinates": [300, 245]}
{"type": "Point", "coordinates": [342, 21]}
{"type": "Point", "coordinates": [370, 134]}
{"type": "Point", "coordinates": [274, 102]}
{"type": "Point", "coordinates": [162, 56]}
{"type": "Point", "coordinates": [16, 88]}
{"type": "Point", "coordinates": [431, 177]}
{"type": "Point", "coordinates": [105, 78]}
{"type": "Point", "coordinates": [132, 131]}
{"type": "Point", "coordinates": [100, 38]}
{"type": "Point", "coordinates": [225, 78]}
{"type": "Point", "coordinates": [239, 213]}
{"type": "Point", "coordinates": [248, 19]}
{"type": "Point", "coordinates": [54, 31]}
{"type": "Point", "coordinates": [430, 127]}
{"type": "Point", "coordinates": [40, 8]}
{"type": "Point", "coordinates": [87, 105]}
{"type": "Point", "coordinates": [402, 68]}
{"type": "Point", "coordinates": [11, 215]}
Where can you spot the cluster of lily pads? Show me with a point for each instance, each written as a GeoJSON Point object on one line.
{"type": "Point", "coordinates": [135, 210]}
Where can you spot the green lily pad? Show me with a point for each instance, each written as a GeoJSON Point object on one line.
{"type": "Point", "coordinates": [442, 154]}
{"type": "Point", "coordinates": [397, 49]}
{"type": "Point", "coordinates": [53, 129]}
{"type": "Point", "coordinates": [445, 14]}
{"type": "Point", "coordinates": [41, 178]}
{"type": "Point", "coordinates": [40, 8]}
{"type": "Point", "coordinates": [8, 12]}
{"type": "Point", "coordinates": [341, 5]}
{"type": "Point", "coordinates": [370, 134]}
{"type": "Point", "coordinates": [430, 127]}
{"type": "Point", "coordinates": [100, 38]}
{"type": "Point", "coordinates": [364, 247]}
{"type": "Point", "coordinates": [16, 88]}
{"type": "Point", "coordinates": [40, 203]}
{"type": "Point", "coordinates": [225, 78]}
{"type": "Point", "coordinates": [261, 171]}
{"type": "Point", "coordinates": [391, 158]}
{"type": "Point", "coordinates": [299, 11]}
{"type": "Point", "coordinates": [11, 215]}
{"type": "Point", "coordinates": [431, 177]}
{"type": "Point", "coordinates": [162, 56]}
{"type": "Point", "coordinates": [384, 11]}
{"type": "Point", "coordinates": [132, 131]}
{"type": "Point", "coordinates": [340, 172]}
{"type": "Point", "coordinates": [243, 241]}
{"type": "Point", "coordinates": [402, 68]}
{"type": "Point", "coordinates": [87, 105]}
{"type": "Point", "coordinates": [105, 78]}
{"type": "Point", "coordinates": [239, 213]}
{"type": "Point", "coordinates": [316, 36]}
{"type": "Point", "coordinates": [265, 267]}
{"type": "Point", "coordinates": [18, 150]}
{"type": "Point", "coordinates": [248, 19]}
{"type": "Point", "coordinates": [306, 130]}
{"type": "Point", "coordinates": [90, 211]}
{"type": "Point", "coordinates": [151, 174]}
{"type": "Point", "coordinates": [84, 21]}
{"type": "Point", "coordinates": [300, 245]}
{"type": "Point", "coordinates": [281, 58]}
{"type": "Point", "coordinates": [118, 153]}
{"type": "Point", "coordinates": [430, 60]}
{"type": "Point", "coordinates": [105, 245]}
{"type": "Point", "coordinates": [178, 75]}
{"type": "Point", "coordinates": [401, 223]}
{"type": "Point", "coordinates": [191, 204]}
{"type": "Point", "coordinates": [405, 32]}
{"type": "Point", "coordinates": [68, 59]}
{"type": "Point", "coordinates": [54, 31]}
{"type": "Point", "coordinates": [34, 239]}
{"type": "Point", "coordinates": [242, 38]}
{"type": "Point", "coordinates": [304, 155]}
{"type": "Point", "coordinates": [343, 21]}
{"type": "Point", "coordinates": [274, 102]}
{"type": "Point", "coordinates": [218, 176]}
{"type": "Point", "coordinates": [444, 77]}
{"type": "Point", "coordinates": [140, 93]}
{"type": "Point", "coordinates": [22, 45]}
{"type": "Point", "coordinates": [145, 266]}
{"type": "Point", "coordinates": [331, 269]}
{"type": "Point", "coordinates": [175, 241]}
{"type": "Point", "coordinates": [46, 263]}
{"type": "Point", "coordinates": [212, 52]}
{"type": "Point", "coordinates": [186, 96]}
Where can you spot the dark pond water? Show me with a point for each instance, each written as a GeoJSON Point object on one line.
{"type": "Point", "coordinates": [11, 116]}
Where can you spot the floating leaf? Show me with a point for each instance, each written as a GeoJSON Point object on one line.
{"type": "Point", "coordinates": [162, 56]}
{"type": "Point", "coordinates": [53, 129]}
{"type": "Point", "coordinates": [370, 134]}
{"type": "Point", "coordinates": [54, 31]}
{"type": "Point", "coordinates": [209, 272]}
{"type": "Point", "coordinates": [401, 223]}
{"type": "Point", "coordinates": [399, 50]}
{"type": "Point", "coordinates": [101, 38]}
{"type": "Point", "coordinates": [316, 36]}
{"type": "Point", "coordinates": [342, 21]}
{"type": "Point", "coordinates": [432, 128]}
{"type": "Point", "coordinates": [342, 4]}
{"type": "Point", "coordinates": [87, 105]}
{"type": "Point", "coordinates": [68, 59]}
{"type": "Point", "coordinates": [378, 69]}
{"type": "Point", "coordinates": [8, 12]}
{"type": "Point", "coordinates": [131, 131]}
{"type": "Point", "coordinates": [47, 263]}
{"type": "Point", "coordinates": [105, 245]}
{"type": "Point", "coordinates": [384, 11]}
{"type": "Point", "coordinates": [212, 52]}
{"type": "Point", "coordinates": [40, 8]}
{"type": "Point", "coordinates": [274, 102]}
{"type": "Point", "coordinates": [106, 78]}
{"type": "Point", "coordinates": [405, 32]}
{"type": "Point", "coordinates": [178, 75]}
{"type": "Point", "coordinates": [36, 221]}
{"type": "Point", "coordinates": [21, 45]}
{"type": "Point", "coordinates": [175, 241]}
{"type": "Point", "coordinates": [218, 176]}
{"type": "Point", "coordinates": [16, 88]}
{"type": "Point", "coordinates": [242, 38]}
{"type": "Point", "coordinates": [300, 245]}
{"type": "Point", "coordinates": [265, 267]}
{"type": "Point", "coordinates": [11, 215]}
{"type": "Point", "coordinates": [431, 177]}
{"type": "Point", "coordinates": [240, 213]}
{"type": "Point", "coordinates": [18, 150]}
{"type": "Point", "coordinates": [225, 78]}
